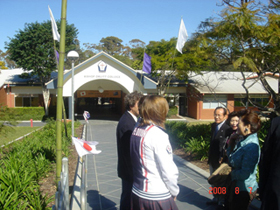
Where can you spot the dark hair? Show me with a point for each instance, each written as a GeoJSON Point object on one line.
{"type": "Point", "coordinates": [249, 117]}
{"type": "Point", "coordinates": [220, 107]}
{"type": "Point", "coordinates": [231, 115]}
{"type": "Point", "coordinates": [154, 109]}
{"type": "Point", "coordinates": [140, 103]}
{"type": "Point", "coordinates": [131, 99]}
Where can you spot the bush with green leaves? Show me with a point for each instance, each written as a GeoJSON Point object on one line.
{"type": "Point", "coordinates": [27, 113]}
{"type": "Point", "coordinates": [24, 163]}
{"type": "Point", "coordinates": [194, 138]}
{"type": "Point", "coordinates": [199, 147]}
{"type": "Point", "coordinates": [173, 110]}
{"type": "Point", "coordinates": [5, 117]}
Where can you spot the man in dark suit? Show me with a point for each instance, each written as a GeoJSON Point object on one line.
{"type": "Point", "coordinates": [219, 131]}
{"type": "Point", "coordinates": [269, 183]}
{"type": "Point", "coordinates": [124, 130]}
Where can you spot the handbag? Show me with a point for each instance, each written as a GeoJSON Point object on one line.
{"type": "Point", "coordinates": [221, 176]}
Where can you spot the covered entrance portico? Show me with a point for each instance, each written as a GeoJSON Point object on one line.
{"type": "Point", "coordinates": [107, 104]}
{"type": "Point", "coordinates": [100, 84]}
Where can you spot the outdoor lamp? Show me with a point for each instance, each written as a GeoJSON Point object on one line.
{"type": "Point", "coordinates": [72, 55]}
{"type": "Point", "coordinates": [100, 89]}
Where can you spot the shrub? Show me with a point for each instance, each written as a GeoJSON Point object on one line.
{"type": "Point", "coordinates": [24, 163]}
{"type": "Point", "coordinates": [182, 132]}
{"type": "Point", "coordinates": [199, 147]}
{"type": "Point", "coordinates": [173, 110]}
{"type": "Point", "coordinates": [5, 117]}
{"type": "Point", "coordinates": [27, 113]}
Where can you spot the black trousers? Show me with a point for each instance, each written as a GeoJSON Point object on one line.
{"type": "Point", "coordinates": [125, 202]}
{"type": "Point", "coordinates": [144, 204]}
{"type": "Point", "coordinates": [240, 201]}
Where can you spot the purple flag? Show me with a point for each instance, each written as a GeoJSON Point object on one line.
{"type": "Point", "coordinates": [57, 56]}
{"type": "Point", "coordinates": [147, 64]}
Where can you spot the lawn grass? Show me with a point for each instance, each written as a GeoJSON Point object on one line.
{"type": "Point", "coordinates": [12, 133]}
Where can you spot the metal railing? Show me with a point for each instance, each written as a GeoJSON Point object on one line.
{"type": "Point", "coordinates": [62, 195]}
{"type": "Point", "coordinates": [83, 194]}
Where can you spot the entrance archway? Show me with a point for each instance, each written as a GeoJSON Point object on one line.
{"type": "Point", "coordinates": [104, 74]}
{"type": "Point", "coordinates": [106, 105]}
{"type": "Point", "coordinates": [103, 99]}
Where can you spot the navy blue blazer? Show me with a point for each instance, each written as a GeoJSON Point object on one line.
{"type": "Point", "coordinates": [124, 130]}
{"type": "Point", "coordinates": [217, 143]}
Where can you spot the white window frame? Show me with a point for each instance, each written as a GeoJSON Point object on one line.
{"type": "Point", "coordinates": [213, 101]}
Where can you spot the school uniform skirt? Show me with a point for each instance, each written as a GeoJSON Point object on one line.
{"type": "Point", "coordinates": [138, 203]}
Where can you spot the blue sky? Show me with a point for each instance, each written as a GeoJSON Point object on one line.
{"type": "Point", "coordinates": [147, 20]}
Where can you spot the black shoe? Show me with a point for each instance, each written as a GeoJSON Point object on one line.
{"type": "Point", "coordinates": [220, 207]}
{"type": "Point", "coordinates": [212, 202]}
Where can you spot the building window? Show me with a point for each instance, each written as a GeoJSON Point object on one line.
{"type": "Point", "coordinates": [213, 101]}
{"type": "Point", "coordinates": [26, 101]}
{"type": "Point", "coordinates": [263, 100]}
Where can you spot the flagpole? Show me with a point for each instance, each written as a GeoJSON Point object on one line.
{"type": "Point", "coordinates": [172, 64]}
{"type": "Point", "coordinates": [181, 39]}
{"type": "Point", "coordinates": [168, 83]}
{"type": "Point", "coordinates": [142, 67]}
{"type": "Point", "coordinates": [63, 106]}
{"type": "Point", "coordinates": [59, 91]}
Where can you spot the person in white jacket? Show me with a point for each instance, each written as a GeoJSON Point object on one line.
{"type": "Point", "coordinates": [155, 174]}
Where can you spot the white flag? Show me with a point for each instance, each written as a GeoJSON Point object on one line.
{"type": "Point", "coordinates": [85, 147]}
{"type": "Point", "coordinates": [56, 35]}
{"type": "Point", "coordinates": [182, 37]}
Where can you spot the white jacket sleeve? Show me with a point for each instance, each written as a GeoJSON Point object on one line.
{"type": "Point", "coordinates": [164, 159]}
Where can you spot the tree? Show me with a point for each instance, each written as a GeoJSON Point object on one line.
{"type": "Point", "coordinates": [111, 45]}
{"type": "Point", "coordinates": [83, 55]}
{"type": "Point", "coordinates": [245, 40]}
{"type": "Point", "coordinates": [2, 65]}
{"type": "Point", "coordinates": [4, 57]}
{"type": "Point", "coordinates": [167, 63]}
{"type": "Point", "coordinates": [32, 49]}
{"type": "Point", "coordinates": [114, 47]}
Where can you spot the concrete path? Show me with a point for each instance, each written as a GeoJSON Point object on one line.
{"type": "Point", "coordinates": [104, 186]}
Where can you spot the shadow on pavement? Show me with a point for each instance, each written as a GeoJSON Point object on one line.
{"type": "Point", "coordinates": [99, 202]}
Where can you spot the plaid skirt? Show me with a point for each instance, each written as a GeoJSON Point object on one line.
{"type": "Point", "coordinates": [138, 203]}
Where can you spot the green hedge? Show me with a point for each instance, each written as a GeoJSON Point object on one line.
{"type": "Point", "coordinates": [194, 138]}
{"type": "Point", "coordinates": [24, 163]}
{"type": "Point", "coordinates": [27, 113]}
{"type": "Point", "coordinates": [173, 110]}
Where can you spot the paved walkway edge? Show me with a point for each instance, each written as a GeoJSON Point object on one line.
{"type": "Point", "coordinates": [192, 166]}
{"type": "Point", "coordinates": [75, 203]}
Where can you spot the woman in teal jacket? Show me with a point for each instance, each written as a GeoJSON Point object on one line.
{"type": "Point", "coordinates": [244, 160]}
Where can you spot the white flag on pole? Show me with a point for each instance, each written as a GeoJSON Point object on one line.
{"type": "Point", "coordinates": [182, 37]}
{"type": "Point", "coordinates": [85, 147]}
{"type": "Point", "coordinates": [56, 35]}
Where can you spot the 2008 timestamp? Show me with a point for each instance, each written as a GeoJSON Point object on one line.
{"type": "Point", "coordinates": [223, 190]}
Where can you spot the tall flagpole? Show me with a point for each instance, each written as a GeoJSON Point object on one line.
{"type": "Point", "coordinates": [59, 91]}
{"type": "Point", "coordinates": [181, 39]}
{"type": "Point", "coordinates": [142, 65]}
{"type": "Point", "coordinates": [168, 83]}
{"type": "Point", "coordinates": [63, 107]}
